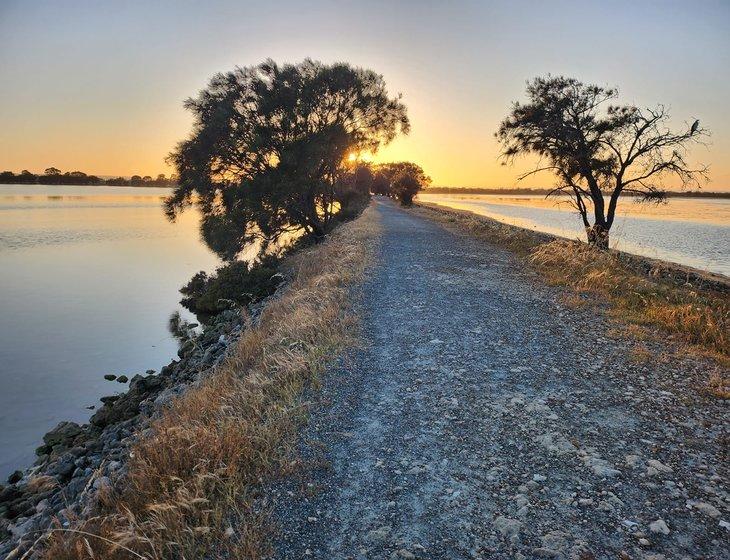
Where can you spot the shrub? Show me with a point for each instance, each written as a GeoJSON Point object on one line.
{"type": "Point", "coordinates": [235, 284]}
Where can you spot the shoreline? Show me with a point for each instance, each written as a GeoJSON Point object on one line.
{"type": "Point", "coordinates": [87, 477]}
{"type": "Point", "coordinates": [544, 192]}
{"type": "Point", "coordinates": [678, 273]}
{"type": "Point", "coordinates": [78, 463]}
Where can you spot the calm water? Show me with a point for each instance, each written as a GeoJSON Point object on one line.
{"type": "Point", "coordinates": [88, 279]}
{"type": "Point", "coordinates": [694, 232]}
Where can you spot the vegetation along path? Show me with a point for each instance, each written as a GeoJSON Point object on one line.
{"type": "Point", "coordinates": [484, 418]}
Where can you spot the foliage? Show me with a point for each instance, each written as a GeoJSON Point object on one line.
{"type": "Point", "coordinates": [401, 180]}
{"type": "Point", "coordinates": [406, 186]}
{"type": "Point", "coordinates": [237, 283]}
{"type": "Point", "coordinates": [596, 148]}
{"type": "Point", "coordinates": [269, 149]}
{"type": "Point", "coordinates": [179, 328]}
{"type": "Point", "coordinates": [54, 176]}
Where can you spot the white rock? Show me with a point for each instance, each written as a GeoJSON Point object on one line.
{"type": "Point", "coordinates": [707, 509]}
{"type": "Point", "coordinates": [659, 526]}
{"type": "Point", "coordinates": [632, 460]}
{"type": "Point", "coordinates": [659, 466]}
{"type": "Point", "coordinates": [509, 528]}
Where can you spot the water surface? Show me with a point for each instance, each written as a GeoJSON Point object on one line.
{"type": "Point", "coordinates": [689, 231]}
{"type": "Point", "coordinates": [88, 277]}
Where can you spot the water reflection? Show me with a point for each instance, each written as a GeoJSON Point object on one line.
{"type": "Point", "coordinates": [89, 277]}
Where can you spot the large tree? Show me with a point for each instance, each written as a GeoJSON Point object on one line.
{"type": "Point", "coordinates": [598, 150]}
{"type": "Point", "coordinates": [270, 146]}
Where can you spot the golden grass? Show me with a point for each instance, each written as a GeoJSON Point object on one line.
{"type": "Point", "coordinates": [192, 487]}
{"type": "Point", "coordinates": [694, 316]}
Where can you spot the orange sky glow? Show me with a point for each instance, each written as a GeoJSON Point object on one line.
{"type": "Point", "coordinates": [108, 101]}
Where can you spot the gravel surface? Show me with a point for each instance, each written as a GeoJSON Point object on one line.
{"type": "Point", "coordinates": [486, 419]}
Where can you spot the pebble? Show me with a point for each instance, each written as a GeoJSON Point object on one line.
{"type": "Point", "coordinates": [707, 509]}
{"type": "Point", "coordinates": [508, 528]}
{"type": "Point", "coordinates": [659, 526]}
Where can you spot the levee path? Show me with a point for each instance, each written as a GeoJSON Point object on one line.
{"type": "Point", "coordinates": [485, 418]}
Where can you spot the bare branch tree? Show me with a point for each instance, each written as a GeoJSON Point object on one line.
{"type": "Point", "coordinates": [597, 149]}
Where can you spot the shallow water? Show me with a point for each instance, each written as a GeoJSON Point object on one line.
{"type": "Point", "coordinates": [694, 232]}
{"type": "Point", "coordinates": [88, 277]}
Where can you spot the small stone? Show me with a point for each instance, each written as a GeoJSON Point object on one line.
{"type": "Point", "coordinates": [659, 526]}
{"type": "Point", "coordinates": [605, 506]}
{"type": "Point", "coordinates": [110, 377]}
{"type": "Point", "coordinates": [644, 542]}
{"type": "Point", "coordinates": [103, 483]}
{"type": "Point", "coordinates": [707, 509]}
{"type": "Point", "coordinates": [659, 466]}
{"type": "Point", "coordinates": [509, 528]}
{"type": "Point", "coordinates": [542, 552]}
{"type": "Point", "coordinates": [403, 553]}
{"type": "Point", "coordinates": [632, 460]}
{"type": "Point", "coordinates": [122, 379]}
{"type": "Point", "coordinates": [15, 477]}
{"type": "Point", "coordinates": [521, 500]}
{"type": "Point", "coordinates": [379, 534]}
{"type": "Point", "coordinates": [539, 478]}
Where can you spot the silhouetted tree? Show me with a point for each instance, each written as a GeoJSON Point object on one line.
{"type": "Point", "coordinates": [269, 145]}
{"type": "Point", "coordinates": [598, 149]}
{"type": "Point", "coordinates": [406, 186]}
{"type": "Point", "coordinates": [401, 180]}
{"type": "Point", "coordinates": [54, 176]}
{"type": "Point", "coordinates": [25, 177]}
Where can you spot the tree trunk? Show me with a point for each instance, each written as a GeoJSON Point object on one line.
{"type": "Point", "coordinates": [598, 236]}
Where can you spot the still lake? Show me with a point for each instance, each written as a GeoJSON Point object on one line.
{"type": "Point", "coordinates": [88, 279]}
{"type": "Point", "coordinates": [689, 231]}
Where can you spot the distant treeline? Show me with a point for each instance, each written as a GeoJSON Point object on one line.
{"type": "Point", "coordinates": [53, 176]}
{"type": "Point", "coordinates": [544, 192]}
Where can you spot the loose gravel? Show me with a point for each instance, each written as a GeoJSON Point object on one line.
{"type": "Point", "coordinates": [485, 418]}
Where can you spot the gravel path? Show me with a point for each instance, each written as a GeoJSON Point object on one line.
{"type": "Point", "coordinates": [483, 419]}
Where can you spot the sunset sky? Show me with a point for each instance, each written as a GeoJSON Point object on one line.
{"type": "Point", "coordinates": [98, 86]}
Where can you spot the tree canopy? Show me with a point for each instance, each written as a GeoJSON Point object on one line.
{"type": "Point", "coordinates": [401, 180]}
{"type": "Point", "coordinates": [269, 149]}
{"type": "Point", "coordinates": [597, 148]}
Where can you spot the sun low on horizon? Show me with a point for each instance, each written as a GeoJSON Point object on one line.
{"type": "Point", "coordinates": [109, 101]}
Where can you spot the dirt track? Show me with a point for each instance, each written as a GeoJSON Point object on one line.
{"type": "Point", "coordinates": [483, 419]}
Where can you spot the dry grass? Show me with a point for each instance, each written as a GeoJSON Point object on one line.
{"type": "Point", "coordinates": [696, 317]}
{"type": "Point", "coordinates": [192, 487]}
{"type": "Point", "coordinates": [640, 354]}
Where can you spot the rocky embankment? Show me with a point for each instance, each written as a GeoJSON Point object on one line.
{"type": "Point", "coordinates": [77, 462]}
